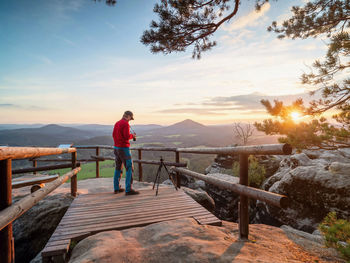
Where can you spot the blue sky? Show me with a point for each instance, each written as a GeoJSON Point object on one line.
{"type": "Point", "coordinates": [79, 61]}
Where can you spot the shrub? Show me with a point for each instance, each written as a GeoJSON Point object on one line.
{"type": "Point", "coordinates": [336, 233]}
{"type": "Point", "coordinates": [256, 172]}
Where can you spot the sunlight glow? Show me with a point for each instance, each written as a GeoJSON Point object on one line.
{"type": "Point", "coordinates": [295, 116]}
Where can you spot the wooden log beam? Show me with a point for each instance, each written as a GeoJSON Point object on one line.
{"type": "Point", "coordinates": [29, 152]}
{"type": "Point", "coordinates": [160, 149]}
{"type": "Point", "coordinates": [62, 160]}
{"type": "Point", "coordinates": [74, 179]}
{"type": "Point", "coordinates": [35, 164]}
{"type": "Point", "coordinates": [265, 149]}
{"type": "Point", "coordinates": [251, 192]}
{"type": "Point", "coordinates": [140, 166]}
{"type": "Point", "coordinates": [243, 199]}
{"type": "Point", "coordinates": [42, 168]}
{"type": "Point", "coordinates": [158, 163]}
{"type": "Point", "coordinates": [35, 180]}
{"type": "Point", "coordinates": [11, 213]}
{"type": "Point", "coordinates": [6, 235]}
{"type": "Point", "coordinates": [178, 176]}
{"type": "Point", "coordinates": [144, 161]}
{"type": "Point", "coordinates": [97, 163]}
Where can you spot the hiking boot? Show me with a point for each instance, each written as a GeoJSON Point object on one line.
{"type": "Point", "coordinates": [121, 190]}
{"type": "Point", "coordinates": [132, 192]}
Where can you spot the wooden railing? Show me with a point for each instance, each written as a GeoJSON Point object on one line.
{"type": "Point", "coordinates": [242, 188]}
{"type": "Point", "coordinates": [10, 212]}
{"type": "Point", "coordinates": [98, 158]}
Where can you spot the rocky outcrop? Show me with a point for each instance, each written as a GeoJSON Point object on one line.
{"type": "Point", "coordinates": [186, 241]}
{"type": "Point", "coordinates": [33, 229]}
{"type": "Point", "coordinates": [316, 182]}
{"type": "Point", "coordinates": [225, 201]}
{"type": "Point", "coordinates": [223, 164]}
{"type": "Point", "coordinates": [201, 197]}
{"type": "Point", "coordinates": [315, 186]}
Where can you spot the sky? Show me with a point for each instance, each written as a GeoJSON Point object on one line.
{"type": "Point", "coordinates": [80, 61]}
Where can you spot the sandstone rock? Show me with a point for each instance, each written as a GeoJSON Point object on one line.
{"type": "Point", "coordinates": [213, 168]}
{"type": "Point", "coordinates": [310, 242]}
{"type": "Point", "coordinates": [226, 202]}
{"type": "Point", "coordinates": [201, 197]}
{"type": "Point", "coordinates": [315, 187]}
{"type": "Point", "coordinates": [197, 185]}
{"type": "Point", "coordinates": [271, 163]}
{"type": "Point", "coordinates": [185, 241]}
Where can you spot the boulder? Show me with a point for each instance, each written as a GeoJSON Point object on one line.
{"type": "Point", "coordinates": [315, 188]}
{"type": "Point", "coordinates": [271, 163]}
{"type": "Point", "coordinates": [201, 197]}
{"type": "Point", "coordinates": [184, 241]}
{"type": "Point", "coordinates": [33, 229]}
{"type": "Point", "coordinates": [226, 202]}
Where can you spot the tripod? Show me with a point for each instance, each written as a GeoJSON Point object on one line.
{"type": "Point", "coordinates": [157, 179]}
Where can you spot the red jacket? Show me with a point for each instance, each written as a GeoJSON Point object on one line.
{"type": "Point", "coordinates": [121, 133]}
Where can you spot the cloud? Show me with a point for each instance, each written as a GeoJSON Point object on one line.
{"type": "Point", "coordinates": [43, 59]}
{"type": "Point", "coordinates": [248, 104]}
{"type": "Point", "coordinates": [252, 101]}
{"type": "Point", "coordinates": [250, 19]}
{"type": "Point", "coordinates": [199, 111]}
{"type": "Point", "coordinates": [20, 107]}
{"type": "Point", "coordinates": [65, 40]}
{"type": "Point", "coordinates": [7, 105]}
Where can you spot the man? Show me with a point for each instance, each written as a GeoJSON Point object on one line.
{"type": "Point", "coordinates": [121, 137]}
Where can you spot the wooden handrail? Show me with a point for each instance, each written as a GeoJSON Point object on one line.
{"type": "Point", "coordinates": [42, 168]}
{"type": "Point", "coordinates": [14, 211]}
{"type": "Point", "coordinates": [61, 160]}
{"type": "Point", "coordinates": [160, 149]}
{"type": "Point", "coordinates": [36, 180]}
{"type": "Point", "coordinates": [266, 149]}
{"type": "Point", "coordinates": [29, 152]}
{"type": "Point", "coordinates": [144, 161]}
{"type": "Point", "coordinates": [258, 194]}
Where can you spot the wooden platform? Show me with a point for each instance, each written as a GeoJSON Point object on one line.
{"type": "Point", "coordinates": [93, 213]}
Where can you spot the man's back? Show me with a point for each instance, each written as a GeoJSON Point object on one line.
{"type": "Point", "coordinates": [121, 134]}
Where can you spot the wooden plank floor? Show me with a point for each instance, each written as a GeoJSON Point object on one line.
{"type": "Point", "coordinates": [93, 213]}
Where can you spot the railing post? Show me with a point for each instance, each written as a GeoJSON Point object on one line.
{"type": "Point", "coordinates": [73, 180]}
{"type": "Point", "coordinates": [35, 164]}
{"type": "Point", "coordinates": [243, 200]}
{"type": "Point", "coordinates": [140, 165]}
{"type": "Point", "coordinates": [97, 163]}
{"type": "Point", "coordinates": [178, 176]}
{"type": "Point", "coordinates": [6, 237]}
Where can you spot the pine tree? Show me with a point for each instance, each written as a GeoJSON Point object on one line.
{"type": "Point", "coordinates": [321, 18]}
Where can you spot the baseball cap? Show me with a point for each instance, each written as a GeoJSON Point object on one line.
{"type": "Point", "coordinates": [129, 113]}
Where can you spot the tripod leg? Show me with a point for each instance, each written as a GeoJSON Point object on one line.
{"type": "Point", "coordinates": [160, 169]}
{"type": "Point", "coordinates": [157, 175]}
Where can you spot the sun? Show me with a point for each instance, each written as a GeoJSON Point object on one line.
{"type": "Point", "coordinates": [295, 116]}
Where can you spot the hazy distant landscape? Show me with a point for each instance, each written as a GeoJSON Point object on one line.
{"type": "Point", "coordinates": [187, 133]}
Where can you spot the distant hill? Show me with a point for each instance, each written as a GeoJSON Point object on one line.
{"type": "Point", "coordinates": [19, 126]}
{"type": "Point", "coordinates": [186, 125]}
{"type": "Point", "coordinates": [49, 135]}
